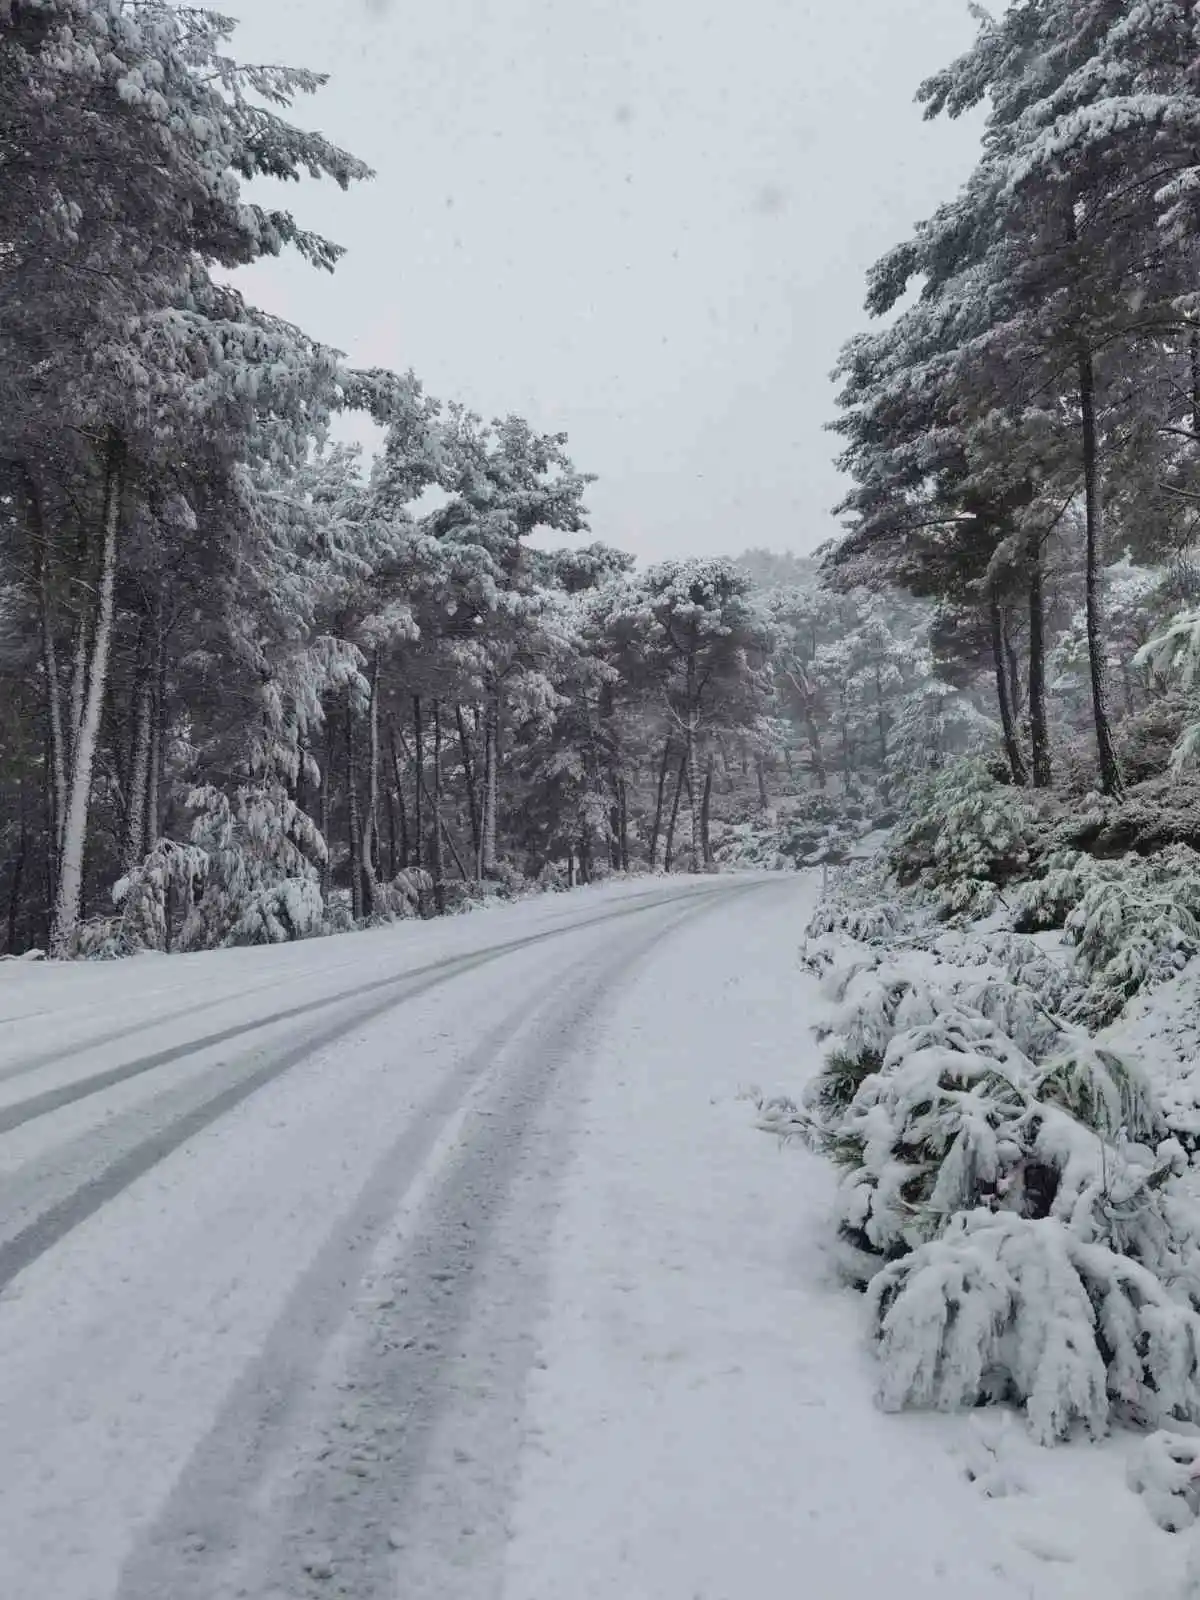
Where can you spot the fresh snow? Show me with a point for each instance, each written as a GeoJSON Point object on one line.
{"type": "Point", "coordinates": [492, 1288]}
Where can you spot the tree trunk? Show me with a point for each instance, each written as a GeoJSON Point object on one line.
{"type": "Point", "coordinates": [323, 811]}
{"type": "Point", "coordinates": [491, 758]}
{"type": "Point", "coordinates": [464, 744]}
{"type": "Point", "coordinates": [54, 719]}
{"type": "Point", "coordinates": [401, 808]}
{"type": "Point", "coordinates": [622, 825]}
{"type": "Point", "coordinates": [1012, 747]}
{"type": "Point", "coordinates": [354, 816]}
{"type": "Point", "coordinates": [138, 787]}
{"type": "Point", "coordinates": [1194, 355]}
{"type": "Point", "coordinates": [158, 739]}
{"type": "Point", "coordinates": [444, 832]}
{"type": "Point", "coordinates": [669, 851]}
{"type": "Point", "coordinates": [760, 772]}
{"type": "Point", "coordinates": [691, 728]}
{"type": "Point", "coordinates": [656, 828]}
{"type": "Point", "coordinates": [812, 734]}
{"type": "Point", "coordinates": [83, 756]}
{"type": "Point", "coordinates": [1039, 732]}
{"type": "Point", "coordinates": [393, 861]}
{"type": "Point", "coordinates": [418, 781]}
{"type": "Point", "coordinates": [1110, 772]}
{"type": "Point", "coordinates": [370, 847]}
{"type": "Point", "coordinates": [439, 870]}
{"type": "Point", "coordinates": [706, 811]}
{"type": "Point", "coordinates": [1014, 671]}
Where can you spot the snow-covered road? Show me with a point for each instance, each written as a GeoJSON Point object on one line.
{"type": "Point", "coordinates": [442, 1262]}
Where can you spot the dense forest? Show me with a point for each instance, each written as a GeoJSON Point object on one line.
{"type": "Point", "coordinates": [254, 686]}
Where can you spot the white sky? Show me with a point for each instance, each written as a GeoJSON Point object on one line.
{"type": "Point", "coordinates": [642, 222]}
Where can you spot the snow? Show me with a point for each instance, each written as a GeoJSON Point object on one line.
{"type": "Point", "coordinates": [700, 1421]}
{"type": "Point", "coordinates": [493, 1288]}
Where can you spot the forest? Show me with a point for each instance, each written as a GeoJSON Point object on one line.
{"type": "Point", "coordinates": [254, 686]}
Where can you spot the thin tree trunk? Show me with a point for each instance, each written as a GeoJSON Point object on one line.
{"type": "Point", "coordinates": [812, 734]}
{"type": "Point", "coordinates": [760, 772]}
{"type": "Point", "coordinates": [54, 717]}
{"type": "Point", "coordinates": [656, 828]}
{"type": "Point", "coordinates": [79, 666]}
{"type": "Point", "coordinates": [1012, 745]}
{"type": "Point", "coordinates": [418, 781]}
{"type": "Point", "coordinates": [1014, 671]}
{"type": "Point", "coordinates": [1194, 356]}
{"type": "Point", "coordinates": [402, 809]}
{"type": "Point", "coordinates": [447, 836]}
{"type": "Point", "coordinates": [705, 812]}
{"type": "Point", "coordinates": [1039, 731]}
{"type": "Point", "coordinates": [393, 862]}
{"type": "Point", "coordinates": [691, 730]}
{"type": "Point", "coordinates": [370, 848]}
{"type": "Point", "coordinates": [354, 817]}
{"type": "Point", "coordinates": [158, 739]}
{"type": "Point", "coordinates": [70, 883]}
{"type": "Point", "coordinates": [622, 825]}
{"type": "Point", "coordinates": [439, 871]}
{"type": "Point", "coordinates": [323, 811]}
{"type": "Point", "coordinates": [138, 786]}
{"type": "Point", "coordinates": [464, 744]}
{"type": "Point", "coordinates": [491, 760]}
{"type": "Point", "coordinates": [1110, 772]}
{"type": "Point", "coordinates": [669, 851]}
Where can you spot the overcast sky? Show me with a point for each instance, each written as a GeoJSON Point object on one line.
{"type": "Point", "coordinates": [643, 222]}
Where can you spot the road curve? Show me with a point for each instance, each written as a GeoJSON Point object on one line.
{"type": "Point", "coordinates": [241, 1272]}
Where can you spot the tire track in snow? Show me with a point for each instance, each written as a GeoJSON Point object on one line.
{"type": "Point", "coordinates": [284, 1495]}
{"type": "Point", "coordinates": [48, 1058]}
{"type": "Point", "coordinates": [15, 1115]}
{"type": "Point", "coordinates": [82, 1201]}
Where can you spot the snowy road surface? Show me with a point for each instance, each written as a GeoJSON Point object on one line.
{"type": "Point", "coordinates": [444, 1262]}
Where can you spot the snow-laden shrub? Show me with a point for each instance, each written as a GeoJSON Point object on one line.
{"type": "Point", "coordinates": [291, 909]}
{"type": "Point", "coordinates": [1046, 901]}
{"type": "Point", "coordinates": [152, 901]}
{"type": "Point", "coordinates": [1165, 1471]}
{"type": "Point", "coordinates": [1046, 977]}
{"type": "Point", "coordinates": [949, 1121]}
{"type": "Point", "coordinates": [1002, 1308]}
{"type": "Point", "coordinates": [1133, 923]}
{"type": "Point", "coordinates": [401, 896]}
{"type": "Point", "coordinates": [932, 1132]}
{"type": "Point", "coordinates": [873, 1000]}
{"type": "Point", "coordinates": [962, 836]}
{"type": "Point", "coordinates": [262, 884]}
{"type": "Point", "coordinates": [757, 843]}
{"type": "Point", "coordinates": [1136, 928]}
{"type": "Point", "coordinates": [1017, 1197]}
{"type": "Point", "coordinates": [860, 903]}
{"type": "Point", "coordinates": [1103, 1092]}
